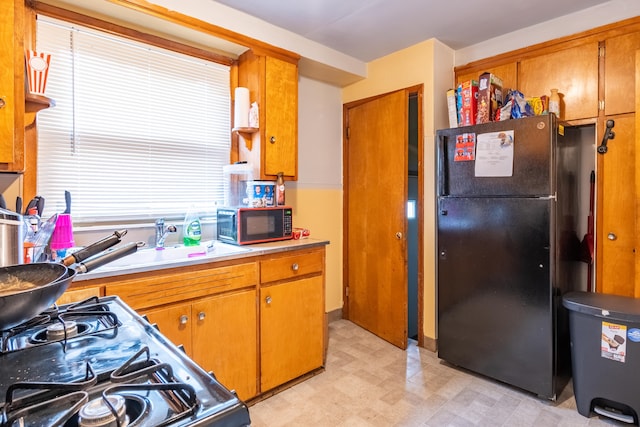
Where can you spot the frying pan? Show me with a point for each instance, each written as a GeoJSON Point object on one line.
{"type": "Point", "coordinates": [52, 279]}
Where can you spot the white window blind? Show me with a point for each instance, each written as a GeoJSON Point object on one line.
{"type": "Point", "coordinates": [137, 132]}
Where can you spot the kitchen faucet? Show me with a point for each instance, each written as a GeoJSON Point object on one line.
{"type": "Point", "coordinates": [162, 232]}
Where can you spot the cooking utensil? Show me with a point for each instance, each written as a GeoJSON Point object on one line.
{"type": "Point", "coordinates": [37, 203]}
{"type": "Point", "coordinates": [3, 202]}
{"type": "Point", "coordinates": [19, 205]}
{"type": "Point", "coordinates": [51, 280]}
{"type": "Point", "coordinates": [67, 200]}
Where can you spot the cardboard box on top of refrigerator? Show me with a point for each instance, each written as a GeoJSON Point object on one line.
{"type": "Point", "coordinates": [489, 97]}
{"type": "Point", "coordinates": [468, 102]}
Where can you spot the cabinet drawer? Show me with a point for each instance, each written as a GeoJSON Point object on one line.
{"type": "Point", "coordinates": [289, 267]}
{"type": "Point", "coordinates": [183, 285]}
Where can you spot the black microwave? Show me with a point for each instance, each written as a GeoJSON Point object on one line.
{"type": "Point", "coordinates": [243, 226]}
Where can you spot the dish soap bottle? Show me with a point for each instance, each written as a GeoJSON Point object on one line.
{"type": "Point", "coordinates": [191, 229]}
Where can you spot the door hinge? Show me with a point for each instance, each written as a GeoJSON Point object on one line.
{"type": "Point", "coordinates": [601, 51]}
{"type": "Point", "coordinates": [601, 105]}
{"type": "Point", "coordinates": [348, 132]}
{"type": "Point", "coordinates": [346, 291]}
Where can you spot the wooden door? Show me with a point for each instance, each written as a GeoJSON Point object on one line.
{"type": "Point", "coordinates": [616, 235]}
{"type": "Point", "coordinates": [174, 322]}
{"type": "Point", "coordinates": [291, 324]}
{"type": "Point", "coordinates": [225, 340]}
{"type": "Point", "coordinates": [376, 173]}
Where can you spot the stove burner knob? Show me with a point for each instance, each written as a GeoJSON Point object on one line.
{"type": "Point", "coordinates": [201, 315]}
{"type": "Point", "coordinates": [184, 319]}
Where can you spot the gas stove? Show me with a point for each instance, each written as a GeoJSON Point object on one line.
{"type": "Point", "coordinates": [98, 363]}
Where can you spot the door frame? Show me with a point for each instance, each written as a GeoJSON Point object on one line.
{"type": "Point", "coordinates": [419, 90]}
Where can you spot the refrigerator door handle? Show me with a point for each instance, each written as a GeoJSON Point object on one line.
{"type": "Point", "coordinates": [443, 173]}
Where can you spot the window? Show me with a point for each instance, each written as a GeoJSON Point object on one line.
{"type": "Point", "coordinates": [137, 132]}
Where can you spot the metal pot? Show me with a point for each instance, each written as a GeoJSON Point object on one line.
{"type": "Point", "coordinates": [11, 235]}
{"type": "Point", "coordinates": [52, 280]}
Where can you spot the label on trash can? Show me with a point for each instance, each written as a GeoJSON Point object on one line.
{"type": "Point", "coordinates": [614, 341]}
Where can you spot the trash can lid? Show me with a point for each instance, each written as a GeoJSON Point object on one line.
{"type": "Point", "coordinates": [603, 305]}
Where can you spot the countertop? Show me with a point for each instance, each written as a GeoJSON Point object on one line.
{"type": "Point", "coordinates": [198, 255]}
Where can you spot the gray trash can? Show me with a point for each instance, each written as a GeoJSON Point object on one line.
{"type": "Point", "coordinates": [605, 354]}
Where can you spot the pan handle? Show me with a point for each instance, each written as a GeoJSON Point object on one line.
{"type": "Point", "coordinates": [94, 248]}
{"type": "Point", "coordinates": [106, 258]}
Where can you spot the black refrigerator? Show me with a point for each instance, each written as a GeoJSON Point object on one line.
{"type": "Point", "coordinates": [507, 249]}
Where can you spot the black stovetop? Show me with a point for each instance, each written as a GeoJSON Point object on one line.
{"type": "Point", "coordinates": [116, 353]}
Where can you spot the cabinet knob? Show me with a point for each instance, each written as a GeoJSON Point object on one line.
{"type": "Point", "coordinates": [184, 319]}
{"type": "Point", "coordinates": [398, 235]}
{"type": "Point", "coordinates": [612, 236]}
{"type": "Point", "coordinates": [295, 266]}
{"type": "Point", "coordinates": [272, 139]}
{"type": "Point", "coordinates": [2, 103]}
{"type": "Point", "coordinates": [267, 300]}
{"type": "Point", "coordinates": [202, 315]}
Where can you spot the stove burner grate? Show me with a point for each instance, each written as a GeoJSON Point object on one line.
{"type": "Point", "coordinates": [57, 325]}
{"type": "Point", "coordinates": [123, 400]}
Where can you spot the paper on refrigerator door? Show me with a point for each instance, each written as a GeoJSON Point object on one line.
{"type": "Point", "coordinates": [494, 154]}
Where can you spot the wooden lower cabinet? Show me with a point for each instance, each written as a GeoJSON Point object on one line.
{"type": "Point", "coordinates": [219, 334]}
{"type": "Point", "coordinates": [291, 325]}
{"type": "Point", "coordinates": [291, 316]}
{"type": "Point", "coordinates": [76, 295]}
{"type": "Point", "coordinates": [255, 324]}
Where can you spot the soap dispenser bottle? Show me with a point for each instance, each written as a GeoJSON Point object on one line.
{"type": "Point", "coordinates": [191, 228]}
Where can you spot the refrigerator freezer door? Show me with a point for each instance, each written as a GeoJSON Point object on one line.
{"type": "Point", "coordinates": [494, 290]}
{"type": "Point", "coordinates": [533, 156]}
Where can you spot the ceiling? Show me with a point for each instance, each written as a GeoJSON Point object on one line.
{"type": "Point", "coordinates": [370, 29]}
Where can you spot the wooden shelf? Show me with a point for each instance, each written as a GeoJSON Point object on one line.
{"type": "Point", "coordinates": [33, 104]}
{"type": "Point", "coordinates": [247, 134]}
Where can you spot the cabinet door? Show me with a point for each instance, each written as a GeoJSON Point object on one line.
{"type": "Point", "coordinates": [12, 87]}
{"type": "Point", "coordinates": [281, 116]}
{"type": "Point", "coordinates": [291, 324]}
{"type": "Point", "coordinates": [174, 323]}
{"type": "Point", "coordinates": [616, 234]}
{"type": "Point", "coordinates": [573, 71]}
{"type": "Point", "coordinates": [507, 72]}
{"type": "Point", "coordinates": [225, 340]}
{"type": "Point", "coordinates": [619, 73]}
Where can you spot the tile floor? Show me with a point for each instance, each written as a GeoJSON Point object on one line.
{"type": "Point", "coordinates": [369, 382]}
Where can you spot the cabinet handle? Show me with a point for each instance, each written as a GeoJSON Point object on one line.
{"type": "Point", "coordinates": [202, 315]}
{"type": "Point", "coordinates": [267, 300]}
{"type": "Point", "coordinates": [272, 139]}
{"type": "Point", "coordinates": [295, 266]}
{"type": "Point", "coordinates": [184, 319]}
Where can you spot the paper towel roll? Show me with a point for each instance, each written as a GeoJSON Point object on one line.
{"type": "Point", "coordinates": [241, 110]}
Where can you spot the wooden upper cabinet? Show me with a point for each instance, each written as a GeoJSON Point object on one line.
{"type": "Point", "coordinates": [12, 87]}
{"type": "Point", "coordinates": [273, 84]}
{"type": "Point", "coordinates": [619, 73]}
{"type": "Point", "coordinates": [507, 72]}
{"type": "Point", "coordinates": [573, 71]}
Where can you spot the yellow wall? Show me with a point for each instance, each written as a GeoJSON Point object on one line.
{"type": "Point", "coordinates": [320, 210]}
{"type": "Point", "coordinates": [429, 63]}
